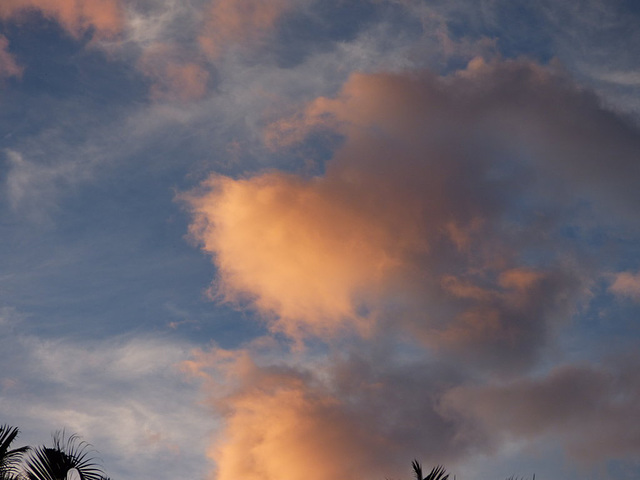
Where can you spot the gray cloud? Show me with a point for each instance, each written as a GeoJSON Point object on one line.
{"type": "Point", "coordinates": [590, 408]}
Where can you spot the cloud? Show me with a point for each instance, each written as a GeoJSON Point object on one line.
{"type": "Point", "coordinates": [587, 407]}
{"type": "Point", "coordinates": [174, 76]}
{"type": "Point", "coordinates": [440, 215]}
{"type": "Point", "coordinates": [8, 65]}
{"type": "Point", "coordinates": [365, 411]}
{"type": "Point", "coordinates": [31, 187]}
{"type": "Point", "coordinates": [626, 284]}
{"type": "Point", "coordinates": [347, 418]}
{"type": "Point", "coordinates": [76, 16]}
{"type": "Point", "coordinates": [230, 22]}
{"type": "Point", "coordinates": [515, 104]}
{"type": "Point", "coordinates": [301, 216]}
{"type": "Point", "coordinates": [368, 408]}
{"type": "Point", "coordinates": [124, 395]}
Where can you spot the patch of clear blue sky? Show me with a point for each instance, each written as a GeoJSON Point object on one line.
{"type": "Point", "coordinates": [115, 261]}
{"type": "Point", "coordinates": [517, 26]}
{"type": "Point", "coordinates": [111, 256]}
{"type": "Point", "coordinates": [60, 65]}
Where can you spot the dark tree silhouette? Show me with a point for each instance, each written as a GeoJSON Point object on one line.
{"type": "Point", "coordinates": [10, 459]}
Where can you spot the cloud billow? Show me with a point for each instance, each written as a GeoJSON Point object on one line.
{"type": "Point", "coordinates": [438, 228]}
{"type": "Point", "coordinates": [429, 209]}
{"type": "Point", "coordinates": [425, 208]}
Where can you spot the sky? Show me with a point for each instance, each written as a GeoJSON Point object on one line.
{"type": "Point", "coordinates": [322, 238]}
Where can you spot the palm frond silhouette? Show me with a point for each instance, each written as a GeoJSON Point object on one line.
{"type": "Point", "coordinates": [10, 458]}
{"type": "Point", "coordinates": [437, 473]}
{"type": "Point", "coordinates": [55, 463]}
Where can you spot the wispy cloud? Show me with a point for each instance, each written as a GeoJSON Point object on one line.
{"type": "Point", "coordinates": [32, 188]}
{"type": "Point", "coordinates": [626, 284]}
{"type": "Point", "coordinates": [421, 225]}
{"type": "Point", "coordinates": [240, 22]}
{"type": "Point", "coordinates": [76, 16]}
{"type": "Point", "coordinates": [174, 76]}
{"type": "Point", "coordinates": [9, 67]}
{"type": "Point", "coordinates": [126, 396]}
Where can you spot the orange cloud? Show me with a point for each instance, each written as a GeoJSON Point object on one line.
{"type": "Point", "coordinates": [366, 411]}
{"type": "Point", "coordinates": [174, 77]}
{"type": "Point", "coordinates": [343, 419]}
{"type": "Point", "coordinates": [324, 255]}
{"type": "Point", "coordinates": [8, 65]}
{"type": "Point", "coordinates": [239, 22]}
{"type": "Point", "coordinates": [76, 16]}
{"type": "Point", "coordinates": [429, 219]}
{"type": "Point", "coordinates": [319, 253]}
{"type": "Point", "coordinates": [288, 433]}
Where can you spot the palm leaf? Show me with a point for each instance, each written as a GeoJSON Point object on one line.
{"type": "Point", "coordinates": [437, 473]}
{"type": "Point", "coordinates": [9, 458]}
{"type": "Point", "coordinates": [54, 463]}
{"type": "Point", "coordinates": [417, 469]}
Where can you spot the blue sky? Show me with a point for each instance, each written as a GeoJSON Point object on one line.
{"type": "Point", "coordinates": [323, 238]}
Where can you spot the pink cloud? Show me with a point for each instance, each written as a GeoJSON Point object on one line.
{"type": "Point", "coordinates": [76, 16]}
{"type": "Point", "coordinates": [316, 255]}
{"type": "Point", "coordinates": [626, 284]}
{"type": "Point", "coordinates": [230, 22]}
{"type": "Point", "coordinates": [349, 418]}
{"type": "Point", "coordinates": [174, 76]}
{"type": "Point", "coordinates": [8, 65]}
{"type": "Point", "coordinates": [409, 229]}
{"type": "Point", "coordinates": [367, 410]}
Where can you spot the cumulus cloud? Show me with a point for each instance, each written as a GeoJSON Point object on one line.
{"type": "Point", "coordinates": [567, 128]}
{"type": "Point", "coordinates": [365, 411]}
{"type": "Point", "coordinates": [349, 418]}
{"type": "Point", "coordinates": [76, 16]}
{"type": "Point", "coordinates": [322, 253]}
{"type": "Point", "coordinates": [432, 217]}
